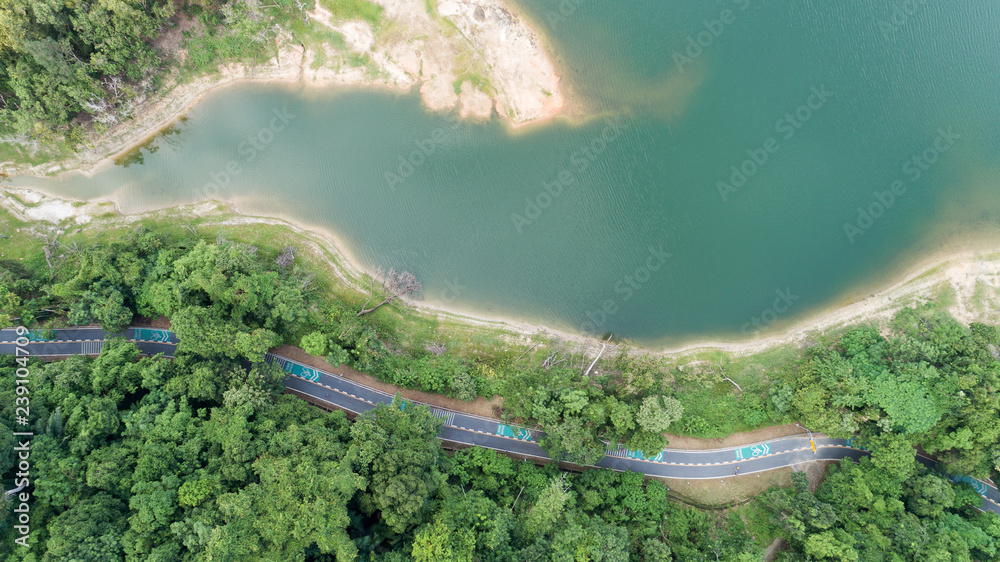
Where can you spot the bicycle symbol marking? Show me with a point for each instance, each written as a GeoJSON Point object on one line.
{"type": "Point", "coordinates": [36, 335]}
{"type": "Point", "coordinates": [514, 432]}
{"type": "Point", "coordinates": [148, 334]}
{"type": "Point", "coordinates": [977, 485]}
{"type": "Point", "coordinates": [752, 452]}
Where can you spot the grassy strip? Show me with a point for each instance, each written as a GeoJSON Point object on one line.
{"type": "Point", "coordinates": [345, 10]}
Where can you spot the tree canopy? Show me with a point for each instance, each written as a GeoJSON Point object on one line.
{"type": "Point", "coordinates": [931, 382]}
{"type": "Point", "coordinates": [64, 58]}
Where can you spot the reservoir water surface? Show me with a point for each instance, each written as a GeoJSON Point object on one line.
{"type": "Point", "coordinates": [749, 163]}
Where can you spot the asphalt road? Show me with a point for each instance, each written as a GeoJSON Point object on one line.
{"type": "Point", "coordinates": [462, 428]}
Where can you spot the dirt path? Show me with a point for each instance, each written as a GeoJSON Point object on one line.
{"type": "Point", "coordinates": [736, 439]}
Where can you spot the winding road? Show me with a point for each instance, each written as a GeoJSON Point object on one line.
{"type": "Point", "coordinates": [329, 390]}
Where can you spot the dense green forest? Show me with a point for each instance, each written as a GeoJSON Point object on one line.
{"type": "Point", "coordinates": [64, 58]}
{"type": "Point", "coordinates": [135, 458]}
{"type": "Point", "coordinates": [933, 383]}
{"type": "Point", "coordinates": [67, 68]}
{"type": "Point", "coordinates": [202, 457]}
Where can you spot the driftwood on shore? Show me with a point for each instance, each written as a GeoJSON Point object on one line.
{"type": "Point", "coordinates": [605, 346]}
{"type": "Point", "coordinates": [394, 285]}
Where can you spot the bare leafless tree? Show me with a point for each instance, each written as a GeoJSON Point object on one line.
{"type": "Point", "coordinates": [31, 144]}
{"type": "Point", "coordinates": [717, 369]}
{"type": "Point", "coordinates": [395, 284]}
{"type": "Point", "coordinates": [73, 248]}
{"type": "Point", "coordinates": [525, 352]}
{"type": "Point", "coordinates": [51, 240]}
{"type": "Point", "coordinates": [102, 110]}
{"type": "Point", "coordinates": [605, 346]}
{"type": "Point", "coordinates": [436, 348]}
{"type": "Point", "coordinates": [307, 280]}
{"type": "Point", "coordinates": [114, 86]}
{"type": "Point", "coordinates": [286, 258]}
{"type": "Point", "coordinates": [552, 360]}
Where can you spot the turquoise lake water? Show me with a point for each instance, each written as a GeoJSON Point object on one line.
{"type": "Point", "coordinates": [715, 195]}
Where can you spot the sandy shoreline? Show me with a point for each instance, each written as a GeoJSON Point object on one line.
{"type": "Point", "coordinates": [511, 76]}
{"type": "Point", "coordinates": [925, 281]}
{"type": "Point", "coordinates": [972, 276]}
{"type": "Point", "coordinates": [959, 271]}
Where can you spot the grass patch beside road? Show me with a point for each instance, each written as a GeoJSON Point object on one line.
{"type": "Point", "coordinates": [355, 10]}
{"type": "Point", "coordinates": [719, 493]}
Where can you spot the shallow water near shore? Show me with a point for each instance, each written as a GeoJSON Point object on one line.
{"type": "Point", "coordinates": [707, 201]}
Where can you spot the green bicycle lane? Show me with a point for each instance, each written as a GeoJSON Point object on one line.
{"type": "Point", "coordinates": [732, 455]}
{"type": "Point", "coordinates": [82, 334]}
